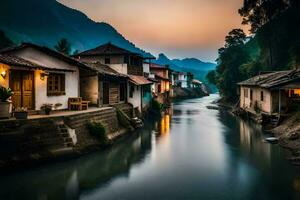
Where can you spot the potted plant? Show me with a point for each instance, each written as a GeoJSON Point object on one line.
{"type": "Point", "coordinates": [21, 113]}
{"type": "Point", "coordinates": [5, 94]}
{"type": "Point", "coordinates": [47, 108]}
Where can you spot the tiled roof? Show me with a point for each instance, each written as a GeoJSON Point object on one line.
{"type": "Point", "coordinates": [16, 61]}
{"type": "Point", "coordinates": [103, 69]}
{"type": "Point", "coordinates": [46, 50]}
{"type": "Point", "coordinates": [106, 49]}
{"type": "Point", "coordinates": [139, 80]}
{"type": "Point", "coordinates": [161, 77]}
{"type": "Point", "coordinates": [272, 79]}
{"type": "Point", "coordinates": [157, 66]}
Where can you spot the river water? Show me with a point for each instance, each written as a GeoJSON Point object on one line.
{"type": "Point", "coordinates": [192, 153]}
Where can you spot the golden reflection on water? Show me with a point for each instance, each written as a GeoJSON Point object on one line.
{"type": "Point", "coordinates": [164, 125]}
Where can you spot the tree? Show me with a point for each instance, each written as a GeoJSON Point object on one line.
{"type": "Point", "coordinates": [63, 46]}
{"type": "Point", "coordinates": [4, 40]}
{"type": "Point", "coordinates": [258, 12]}
{"type": "Point", "coordinates": [228, 72]}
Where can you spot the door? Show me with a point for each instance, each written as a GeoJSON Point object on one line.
{"type": "Point", "coordinates": [122, 91]}
{"type": "Point", "coordinates": [21, 82]}
{"type": "Point", "coordinates": [105, 93]}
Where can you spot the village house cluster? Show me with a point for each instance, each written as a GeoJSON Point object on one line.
{"type": "Point", "coordinates": [104, 76]}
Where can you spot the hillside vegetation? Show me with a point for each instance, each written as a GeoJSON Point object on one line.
{"type": "Point", "coordinates": [274, 44]}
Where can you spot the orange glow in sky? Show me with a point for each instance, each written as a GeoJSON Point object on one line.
{"type": "Point", "coordinates": [179, 28]}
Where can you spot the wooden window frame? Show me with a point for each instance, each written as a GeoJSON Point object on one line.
{"type": "Point", "coordinates": [56, 84]}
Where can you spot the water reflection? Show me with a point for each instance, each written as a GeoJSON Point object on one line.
{"type": "Point", "coordinates": [252, 142]}
{"type": "Point", "coordinates": [191, 153]}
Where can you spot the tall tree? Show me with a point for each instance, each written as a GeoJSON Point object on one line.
{"type": "Point", "coordinates": [258, 12]}
{"type": "Point", "coordinates": [63, 46]}
{"type": "Point", "coordinates": [228, 72]}
{"type": "Point", "coordinates": [4, 40]}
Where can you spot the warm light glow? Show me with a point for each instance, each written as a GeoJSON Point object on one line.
{"type": "Point", "coordinates": [294, 93]}
{"type": "Point", "coordinates": [165, 125]}
{"type": "Point", "coordinates": [43, 75]}
{"type": "Point", "coordinates": [3, 74]}
{"type": "Point", "coordinates": [167, 86]}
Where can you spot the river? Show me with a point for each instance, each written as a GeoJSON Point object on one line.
{"type": "Point", "coordinates": [192, 153]}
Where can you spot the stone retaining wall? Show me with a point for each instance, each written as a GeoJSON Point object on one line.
{"type": "Point", "coordinates": [26, 141]}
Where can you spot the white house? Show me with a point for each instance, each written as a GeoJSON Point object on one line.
{"type": "Point", "coordinates": [43, 76]}
{"type": "Point", "coordinates": [124, 62]}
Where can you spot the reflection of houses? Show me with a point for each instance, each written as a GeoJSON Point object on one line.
{"type": "Point", "coordinates": [39, 75]}
{"type": "Point", "coordinates": [123, 62]}
{"type": "Point", "coordinates": [270, 93]}
{"type": "Point", "coordinates": [161, 87]}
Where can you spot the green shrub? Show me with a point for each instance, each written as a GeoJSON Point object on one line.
{"type": "Point", "coordinates": [5, 94]}
{"type": "Point", "coordinates": [156, 105]}
{"type": "Point", "coordinates": [124, 120]}
{"type": "Point", "coordinates": [98, 130]}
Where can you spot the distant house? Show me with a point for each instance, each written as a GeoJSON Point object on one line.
{"type": "Point", "coordinates": [182, 79]}
{"type": "Point", "coordinates": [270, 93]}
{"type": "Point", "coordinates": [126, 63]}
{"type": "Point", "coordinates": [39, 75]}
{"type": "Point", "coordinates": [161, 88]}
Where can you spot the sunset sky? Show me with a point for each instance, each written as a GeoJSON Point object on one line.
{"type": "Point", "coordinates": [178, 28]}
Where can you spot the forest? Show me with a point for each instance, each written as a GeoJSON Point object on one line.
{"type": "Point", "coordinates": [273, 44]}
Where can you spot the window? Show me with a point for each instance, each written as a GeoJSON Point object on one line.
{"type": "Point", "coordinates": [56, 85]}
{"type": "Point", "coordinates": [262, 96]}
{"type": "Point", "coordinates": [251, 94]}
{"type": "Point", "coordinates": [246, 95]}
{"type": "Point", "coordinates": [159, 88]}
{"type": "Point", "coordinates": [131, 90]}
{"type": "Point", "coordinates": [107, 61]}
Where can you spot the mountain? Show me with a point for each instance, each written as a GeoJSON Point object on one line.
{"type": "Point", "coordinates": [193, 65]}
{"type": "Point", "coordinates": [45, 22]}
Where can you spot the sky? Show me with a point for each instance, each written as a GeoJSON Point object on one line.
{"type": "Point", "coordinates": [178, 28]}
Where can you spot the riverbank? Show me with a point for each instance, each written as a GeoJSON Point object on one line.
{"type": "Point", "coordinates": [288, 131]}
{"type": "Point", "coordinates": [186, 93]}
{"type": "Point", "coordinates": [44, 139]}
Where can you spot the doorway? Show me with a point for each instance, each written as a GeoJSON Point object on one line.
{"type": "Point", "coordinates": [105, 93]}
{"type": "Point", "coordinates": [22, 84]}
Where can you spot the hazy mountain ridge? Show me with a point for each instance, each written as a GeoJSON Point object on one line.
{"type": "Point", "coordinates": [193, 65]}
{"type": "Point", "coordinates": [45, 22]}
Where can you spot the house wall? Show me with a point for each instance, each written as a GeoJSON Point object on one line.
{"type": "Point", "coordinates": [136, 99]}
{"type": "Point", "coordinates": [147, 97]}
{"type": "Point", "coordinates": [146, 68]}
{"type": "Point", "coordinates": [116, 62]}
{"type": "Point", "coordinates": [275, 100]}
{"type": "Point", "coordinates": [247, 103]}
{"type": "Point", "coordinates": [71, 78]}
{"type": "Point", "coordinates": [89, 89]}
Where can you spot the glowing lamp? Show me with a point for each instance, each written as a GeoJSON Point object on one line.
{"type": "Point", "coordinates": [43, 75]}
{"type": "Point", "coordinates": [3, 74]}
